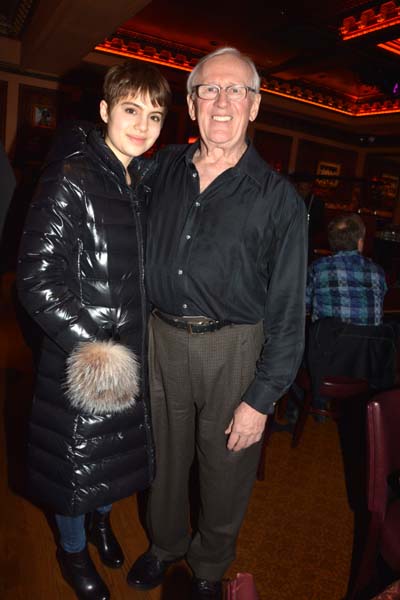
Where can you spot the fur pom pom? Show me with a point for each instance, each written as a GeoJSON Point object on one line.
{"type": "Point", "coordinates": [102, 377]}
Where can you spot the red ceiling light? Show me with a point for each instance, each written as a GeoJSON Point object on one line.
{"type": "Point", "coordinates": [393, 46]}
{"type": "Point", "coordinates": [139, 54]}
{"type": "Point", "coordinates": [371, 22]}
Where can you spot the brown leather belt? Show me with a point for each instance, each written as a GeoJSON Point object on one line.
{"type": "Point", "coordinates": [195, 325]}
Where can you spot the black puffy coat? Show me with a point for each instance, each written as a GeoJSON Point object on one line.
{"type": "Point", "coordinates": [80, 277]}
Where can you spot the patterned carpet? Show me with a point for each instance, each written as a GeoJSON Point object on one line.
{"type": "Point", "coordinates": [297, 536]}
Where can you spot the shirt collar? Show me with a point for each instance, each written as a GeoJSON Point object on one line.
{"type": "Point", "coordinates": [191, 149]}
{"type": "Point", "coordinates": [250, 163]}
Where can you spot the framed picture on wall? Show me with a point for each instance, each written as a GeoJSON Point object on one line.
{"type": "Point", "coordinates": [3, 107]}
{"type": "Point", "coordinates": [43, 116]}
{"type": "Point", "coordinates": [37, 106]}
{"type": "Point", "coordinates": [327, 172]}
{"type": "Point", "coordinates": [37, 120]}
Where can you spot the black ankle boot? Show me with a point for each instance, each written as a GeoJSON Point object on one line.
{"type": "Point", "coordinates": [101, 535]}
{"type": "Point", "coordinates": [203, 589]}
{"type": "Point", "coordinates": [80, 573]}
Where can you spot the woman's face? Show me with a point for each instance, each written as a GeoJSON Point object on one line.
{"type": "Point", "coordinates": [133, 125]}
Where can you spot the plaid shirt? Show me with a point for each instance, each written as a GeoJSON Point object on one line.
{"type": "Point", "coordinates": [347, 286]}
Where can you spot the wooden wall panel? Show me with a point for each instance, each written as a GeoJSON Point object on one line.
{"type": "Point", "coordinates": [3, 110]}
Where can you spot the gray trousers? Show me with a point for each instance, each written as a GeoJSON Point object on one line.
{"type": "Point", "coordinates": [196, 382]}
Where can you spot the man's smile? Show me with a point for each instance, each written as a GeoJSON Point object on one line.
{"type": "Point", "coordinates": [221, 118]}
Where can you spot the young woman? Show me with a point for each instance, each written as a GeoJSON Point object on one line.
{"type": "Point", "coordinates": [81, 279]}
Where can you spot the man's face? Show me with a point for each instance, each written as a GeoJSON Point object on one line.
{"type": "Point", "coordinates": [133, 125]}
{"type": "Point", "coordinates": [223, 122]}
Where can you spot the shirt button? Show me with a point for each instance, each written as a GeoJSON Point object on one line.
{"type": "Point", "coordinates": [188, 236]}
{"type": "Point", "coordinates": [194, 174]}
{"type": "Point", "coordinates": [184, 305]}
{"type": "Point", "coordinates": [180, 272]}
{"type": "Point", "coordinates": [197, 203]}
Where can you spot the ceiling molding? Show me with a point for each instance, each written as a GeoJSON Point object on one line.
{"type": "Point", "coordinates": [380, 21]}
{"type": "Point", "coordinates": [130, 44]}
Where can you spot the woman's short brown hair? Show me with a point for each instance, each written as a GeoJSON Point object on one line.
{"type": "Point", "coordinates": [345, 231]}
{"type": "Point", "coordinates": [132, 79]}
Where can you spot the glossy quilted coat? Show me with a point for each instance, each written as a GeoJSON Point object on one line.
{"type": "Point", "coordinates": [80, 277]}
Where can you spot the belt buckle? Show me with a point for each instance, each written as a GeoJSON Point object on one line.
{"type": "Point", "coordinates": [191, 325]}
{"type": "Point", "coordinates": [211, 323]}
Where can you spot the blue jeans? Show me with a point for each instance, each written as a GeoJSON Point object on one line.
{"type": "Point", "coordinates": [72, 530]}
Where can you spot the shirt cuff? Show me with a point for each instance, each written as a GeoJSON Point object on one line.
{"type": "Point", "coordinates": [260, 397]}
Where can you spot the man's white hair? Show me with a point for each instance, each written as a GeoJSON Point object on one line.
{"type": "Point", "coordinates": [255, 80]}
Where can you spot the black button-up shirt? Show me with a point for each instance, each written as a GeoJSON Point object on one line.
{"type": "Point", "coordinates": [235, 252]}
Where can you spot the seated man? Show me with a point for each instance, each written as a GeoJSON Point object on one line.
{"type": "Point", "coordinates": [346, 285]}
{"type": "Point", "coordinates": [345, 293]}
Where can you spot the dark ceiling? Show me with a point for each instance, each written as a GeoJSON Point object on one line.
{"type": "Point", "coordinates": [290, 40]}
{"type": "Point", "coordinates": [293, 43]}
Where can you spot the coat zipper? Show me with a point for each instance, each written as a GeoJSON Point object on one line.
{"type": "Point", "coordinates": [79, 274]}
{"type": "Point", "coordinates": [140, 242]}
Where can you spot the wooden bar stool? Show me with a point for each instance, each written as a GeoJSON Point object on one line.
{"type": "Point", "coordinates": [334, 387]}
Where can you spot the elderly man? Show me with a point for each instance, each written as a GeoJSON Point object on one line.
{"type": "Point", "coordinates": [226, 268]}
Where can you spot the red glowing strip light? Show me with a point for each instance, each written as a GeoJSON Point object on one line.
{"type": "Point", "coordinates": [108, 49]}
{"type": "Point", "coordinates": [393, 46]}
{"type": "Point", "coordinates": [364, 113]}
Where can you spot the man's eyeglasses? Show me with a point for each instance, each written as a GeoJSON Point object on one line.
{"type": "Point", "coordinates": [211, 91]}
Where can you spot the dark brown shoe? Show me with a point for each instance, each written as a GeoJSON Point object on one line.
{"type": "Point", "coordinates": [80, 573]}
{"type": "Point", "coordinates": [203, 589]}
{"type": "Point", "coordinates": [147, 572]}
{"type": "Point", "coordinates": [102, 536]}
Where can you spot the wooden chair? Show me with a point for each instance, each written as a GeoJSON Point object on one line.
{"type": "Point", "coordinates": [383, 461]}
{"type": "Point", "coordinates": [273, 425]}
{"type": "Point", "coordinates": [335, 388]}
